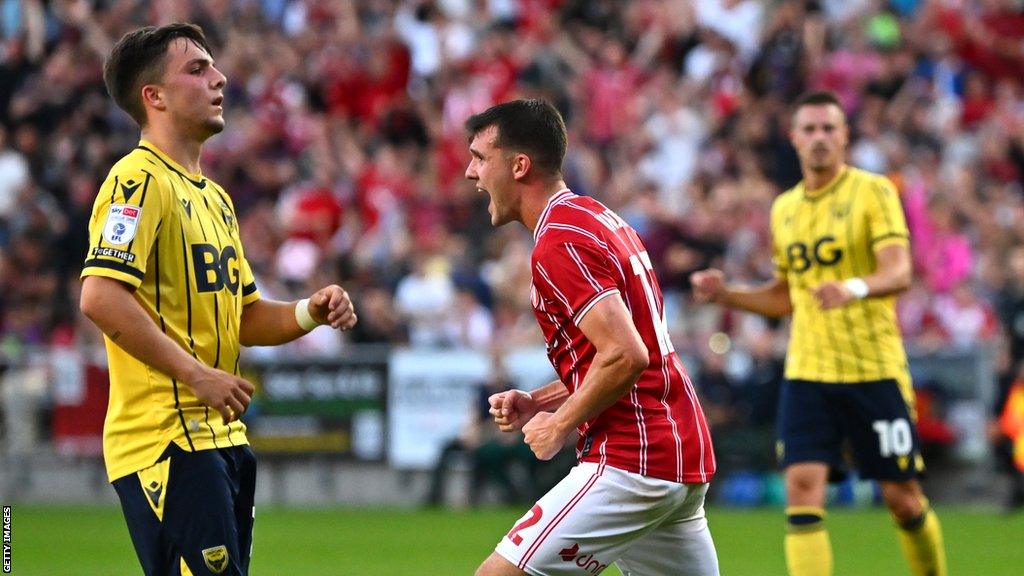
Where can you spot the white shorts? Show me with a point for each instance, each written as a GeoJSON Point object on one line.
{"type": "Point", "coordinates": [598, 515]}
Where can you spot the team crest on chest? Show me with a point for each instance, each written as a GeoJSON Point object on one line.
{"type": "Point", "coordinates": [122, 222]}
{"type": "Point", "coordinates": [227, 215]}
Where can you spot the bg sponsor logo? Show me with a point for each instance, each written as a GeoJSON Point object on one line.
{"type": "Point", "coordinates": [823, 252]}
{"type": "Point", "coordinates": [215, 269]}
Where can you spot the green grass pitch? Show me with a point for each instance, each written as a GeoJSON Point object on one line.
{"type": "Point", "coordinates": [82, 541]}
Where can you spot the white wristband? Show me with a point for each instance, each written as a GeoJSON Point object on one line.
{"type": "Point", "coordinates": [303, 317]}
{"type": "Point", "coordinates": [858, 287]}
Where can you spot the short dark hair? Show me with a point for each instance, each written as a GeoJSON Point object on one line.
{"type": "Point", "coordinates": [533, 127]}
{"type": "Point", "coordinates": [138, 59]}
{"type": "Point", "coordinates": [816, 98]}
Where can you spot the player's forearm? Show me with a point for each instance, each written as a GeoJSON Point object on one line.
{"type": "Point", "coordinates": [893, 274]}
{"type": "Point", "coordinates": [269, 323]}
{"type": "Point", "coordinates": [112, 306]}
{"type": "Point", "coordinates": [611, 376]}
{"type": "Point", "coordinates": [769, 299]}
{"type": "Point", "coordinates": [885, 284]}
{"type": "Point", "coordinates": [550, 396]}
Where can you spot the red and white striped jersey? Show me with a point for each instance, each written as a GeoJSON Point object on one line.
{"type": "Point", "coordinates": [585, 252]}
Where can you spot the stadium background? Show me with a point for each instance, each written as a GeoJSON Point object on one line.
{"type": "Point", "coordinates": [344, 154]}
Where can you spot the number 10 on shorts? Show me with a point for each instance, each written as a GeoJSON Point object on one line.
{"type": "Point", "coordinates": [894, 438]}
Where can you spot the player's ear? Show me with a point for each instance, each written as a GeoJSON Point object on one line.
{"type": "Point", "coordinates": [153, 96]}
{"type": "Point", "coordinates": [520, 166]}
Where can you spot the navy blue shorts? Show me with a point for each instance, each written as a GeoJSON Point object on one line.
{"type": "Point", "coordinates": [820, 421]}
{"type": "Point", "coordinates": [192, 507]}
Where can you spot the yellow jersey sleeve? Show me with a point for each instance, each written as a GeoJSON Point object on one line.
{"type": "Point", "coordinates": [779, 259]}
{"type": "Point", "coordinates": [125, 220]}
{"type": "Point", "coordinates": [886, 222]}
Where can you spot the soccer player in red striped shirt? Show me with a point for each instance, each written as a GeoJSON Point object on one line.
{"type": "Point", "coordinates": [636, 498]}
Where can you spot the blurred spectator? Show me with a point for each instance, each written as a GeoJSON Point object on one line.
{"type": "Point", "coordinates": [379, 321]}
{"type": "Point", "coordinates": [965, 319]}
{"type": "Point", "coordinates": [469, 324]}
{"type": "Point", "coordinates": [492, 455]}
{"type": "Point", "coordinates": [1010, 304]}
{"type": "Point", "coordinates": [14, 176]}
{"type": "Point", "coordinates": [942, 253]}
{"type": "Point", "coordinates": [425, 298]}
{"type": "Point", "coordinates": [347, 151]}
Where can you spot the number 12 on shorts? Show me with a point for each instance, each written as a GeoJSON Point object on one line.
{"type": "Point", "coordinates": [531, 518]}
{"type": "Point", "coordinates": [894, 438]}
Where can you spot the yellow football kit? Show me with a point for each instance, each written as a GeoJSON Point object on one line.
{"type": "Point", "coordinates": [173, 236]}
{"type": "Point", "coordinates": [832, 234]}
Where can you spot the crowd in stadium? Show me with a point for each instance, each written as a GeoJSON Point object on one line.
{"type": "Point", "coordinates": [344, 152]}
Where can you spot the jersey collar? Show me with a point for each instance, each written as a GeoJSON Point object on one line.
{"type": "Point", "coordinates": [818, 193]}
{"type": "Point", "coordinates": [563, 194]}
{"type": "Point", "coordinates": [198, 179]}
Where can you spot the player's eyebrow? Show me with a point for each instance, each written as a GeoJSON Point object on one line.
{"type": "Point", "coordinates": [200, 60]}
{"type": "Point", "coordinates": [476, 153]}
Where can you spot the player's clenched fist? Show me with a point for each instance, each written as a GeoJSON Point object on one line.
{"type": "Point", "coordinates": [225, 393]}
{"type": "Point", "coordinates": [831, 295]}
{"type": "Point", "coordinates": [544, 435]}
{"type": "Point", "coordinates": [512, 409]}
{"type": "Point", "coordinates": [332, 305]}
{"type": "Point", "coordinates": [707, 284]}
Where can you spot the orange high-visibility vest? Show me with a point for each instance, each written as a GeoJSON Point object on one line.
{"type": "Point", "coordinates": [1011, 422]}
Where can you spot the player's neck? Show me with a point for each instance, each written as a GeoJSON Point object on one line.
{"type": "Point", "coordinates": [184, 151]}
{"type": "Point", "coordinates": [817, 180]}
{"type": "Point", "coordinates": [536, 199]}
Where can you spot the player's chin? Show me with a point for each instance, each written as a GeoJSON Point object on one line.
{"type": "Point", "coordinates": [214, 125]}
{"type": "Point", "coordinates": [497, 219]}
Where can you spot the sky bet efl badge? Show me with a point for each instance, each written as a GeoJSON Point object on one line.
{"type": "Point", "coordinates": [122, 221]}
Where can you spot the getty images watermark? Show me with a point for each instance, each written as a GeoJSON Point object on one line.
{"type": "Point", "coordinates": [7, 540]}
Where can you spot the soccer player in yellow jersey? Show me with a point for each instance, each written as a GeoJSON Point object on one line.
{"type": "Point", "coordinates": [841, 250]}
{"type": "Point", "coordinates": [166, 280]}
